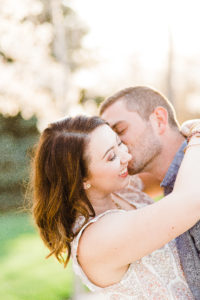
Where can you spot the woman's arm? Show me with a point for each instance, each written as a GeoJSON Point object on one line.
{"type": "Point", "coordinates": [125, 237]}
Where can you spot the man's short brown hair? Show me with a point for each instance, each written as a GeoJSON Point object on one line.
{"type": "Point", "coordinates": [142, 100]}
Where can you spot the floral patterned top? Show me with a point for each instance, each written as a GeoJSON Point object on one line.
{"type": "Point", "coordinates": [157, 276]}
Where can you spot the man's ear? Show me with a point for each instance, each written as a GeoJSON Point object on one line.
{"type": "Point", "coordinates": [160, 119]}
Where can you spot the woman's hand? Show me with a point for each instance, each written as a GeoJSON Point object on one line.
{"type": "Point", "coordinates": [189, 125]}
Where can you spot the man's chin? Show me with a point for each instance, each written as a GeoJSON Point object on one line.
{"type": "Point", "coordinates": [131, 171]}
{"type": "Point", "coordinates": [134, 171]}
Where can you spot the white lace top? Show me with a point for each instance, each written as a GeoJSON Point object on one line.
{"type": "Point", "coordinates": [157, 276]}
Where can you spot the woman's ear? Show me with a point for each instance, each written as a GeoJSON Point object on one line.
{"type": "Point", "coordinates": [86, 185]}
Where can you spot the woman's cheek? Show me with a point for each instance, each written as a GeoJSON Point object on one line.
{"type": "Point", "coordinates": [116, 165]}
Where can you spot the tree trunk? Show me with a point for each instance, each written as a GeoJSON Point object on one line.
{"type": "Point", "coordinates": [60, 52]}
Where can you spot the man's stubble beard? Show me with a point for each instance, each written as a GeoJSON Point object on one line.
{"type": "Point", "coordinates": [147, 150]}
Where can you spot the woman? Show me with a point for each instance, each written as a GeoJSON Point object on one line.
{"type": "Point", "coordinates": [120, 245]}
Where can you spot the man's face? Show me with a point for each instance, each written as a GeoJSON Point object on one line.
{"type": "Point", "coordinates": [138, 134]}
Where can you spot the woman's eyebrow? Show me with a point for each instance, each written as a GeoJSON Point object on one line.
{"type": "Point", "coordinates": [117, 138]}
{"type": "Point", "coordinates": [108, 151]}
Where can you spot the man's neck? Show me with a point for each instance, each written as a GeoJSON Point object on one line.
{"type": "Point", "coordinates": [161, 164]}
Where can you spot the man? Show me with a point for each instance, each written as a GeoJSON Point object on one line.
{"type": "Point", "coordinates": [146, 122]}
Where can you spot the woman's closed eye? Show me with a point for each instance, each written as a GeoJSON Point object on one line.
{"type": "Point", "coordinates": [112, 157]}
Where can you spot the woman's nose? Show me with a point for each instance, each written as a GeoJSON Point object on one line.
{"type": "Point", "coordinates": [125, 157]}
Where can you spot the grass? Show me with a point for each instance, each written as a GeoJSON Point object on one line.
{"type": "Point", "coordinates": [157, 198]}
{"type": "Point", "coordinates": [25, 274]}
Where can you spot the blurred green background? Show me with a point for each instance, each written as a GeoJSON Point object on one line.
{"type": "Point", "coordinates": [25, 274]}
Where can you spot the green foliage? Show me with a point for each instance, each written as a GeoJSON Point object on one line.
{"type": "Point", "coordinates": [157, 198]}
{"type": "Point", "coordinates": [17, 139]}
{"type": "Point", "coordinates": [84, 97]}
{"type": "Point", "coordinates": [25, 273]}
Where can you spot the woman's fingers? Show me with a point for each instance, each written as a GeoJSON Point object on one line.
{"type": "Point", "coordinates": [188, 125]}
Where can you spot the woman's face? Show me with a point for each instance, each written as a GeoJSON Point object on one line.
{"type": "Point", "coordinates": [108, 160]}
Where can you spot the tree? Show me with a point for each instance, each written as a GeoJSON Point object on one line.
{"type": "Point", "coordinates": [40, 47]}
{"type": "Point", "coordinates": [17, 139]}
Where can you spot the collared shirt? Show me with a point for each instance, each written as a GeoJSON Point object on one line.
{"type": "Point", "coordinates": [170, 177]}
{"type": "Point", "coordinates": [188, 244]}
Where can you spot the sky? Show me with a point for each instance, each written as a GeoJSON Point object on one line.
{"type": "Point", "coordinates": [126, 33]}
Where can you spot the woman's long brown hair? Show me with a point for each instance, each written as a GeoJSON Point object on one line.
{"type": "Point", "coordinates": [59, 167]}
